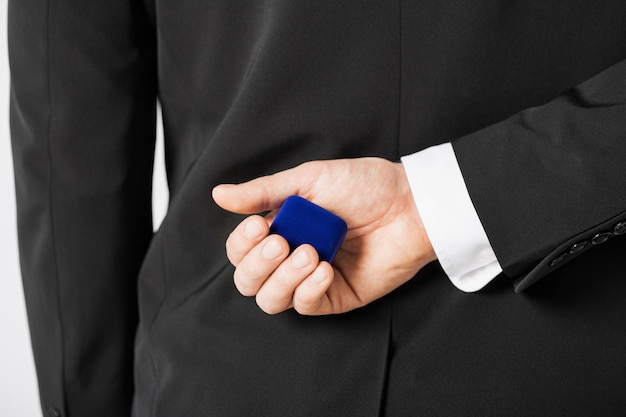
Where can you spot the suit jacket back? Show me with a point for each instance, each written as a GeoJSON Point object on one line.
{"type": "Point", "coordinates": [254, 87]}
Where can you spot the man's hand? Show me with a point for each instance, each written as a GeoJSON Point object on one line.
{"type": "Point", "coordinates": [385, 246]}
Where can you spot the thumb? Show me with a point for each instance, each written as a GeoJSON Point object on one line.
{"type": "Point", "coordinates": [266, 193]}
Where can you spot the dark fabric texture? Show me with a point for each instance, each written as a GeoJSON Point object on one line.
{"type": "Point", "coordinates": [83, 124]}
{"type": "Point", "coordinates": [565, 160]}
{"type": "Point", "coordinates": [127, 322]}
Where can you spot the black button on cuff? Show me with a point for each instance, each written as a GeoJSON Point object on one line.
{"type": "Point", "coordinates": [577, 247]}
{"type": "Point", "coordinates": [600, 238]}
{"type": "Point", "coordinates": [558, 259]}
{"type": "Point", "coordinates": [619, 229]}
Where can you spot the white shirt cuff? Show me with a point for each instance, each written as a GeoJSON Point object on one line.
{"type": "Point", "coordinates": [449, 217]}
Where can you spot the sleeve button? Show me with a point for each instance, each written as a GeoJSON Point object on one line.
{"type": "Point", "coordinates": [577, 247]}
{"type": "Point", "coordinates": [600, 238]}
{"type": "Point", "coordinates": [558, 259]}
{"type": "Point", "coordinates": [619, 229]}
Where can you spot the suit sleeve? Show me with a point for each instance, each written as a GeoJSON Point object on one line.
{"type": "Point", "coordinates": [549, 183]}
{"type": "Point", "coordinates": [83, 119]}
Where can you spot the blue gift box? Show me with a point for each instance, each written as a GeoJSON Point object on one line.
{"type": "Point", "coordinates": [300, 221]}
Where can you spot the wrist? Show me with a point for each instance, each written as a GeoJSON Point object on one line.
{"type": "Point", "coordinates": [425, 253]}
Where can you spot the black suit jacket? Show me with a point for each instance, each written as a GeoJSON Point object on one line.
{"type": "Point", "coordinates": [531, 94]}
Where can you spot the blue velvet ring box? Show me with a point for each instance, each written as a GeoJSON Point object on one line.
{"type": "Point", "coordinates": [299, 221]}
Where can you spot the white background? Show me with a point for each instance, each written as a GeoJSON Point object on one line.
{"type": "Point", "coordinates": [18, 386]}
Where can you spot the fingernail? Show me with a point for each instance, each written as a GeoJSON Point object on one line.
{"type": "Point", "coordinates": [252, 230]}
{"type": "Point", "coordinates": [300, 259]}
{"type": "Point", "coordinates": [319, 275]}
{"type": "Point", "coordinates": [272, 250]}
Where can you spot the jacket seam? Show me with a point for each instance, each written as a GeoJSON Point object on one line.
{"type": "Point", "coordinates": [55, 266]}
{"type": "Point", "coordinates": [399, 63]}
{"type": "Point", "coordinates": [151, 325]}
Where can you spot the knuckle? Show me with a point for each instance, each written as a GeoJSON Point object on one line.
{"type": "Point", "coordinates": [267, 306]}
{"type": "Point", "coordinates": [245, 291]}
{"type": "Point", "coordinates": [305, 302]}
{"type": "Point", "coordinates": [305, 311]}
{"type": "Point", "coordinates": [283, 280]}
{"type": "Point", "coordinates": [243, 284]}
{"type": "Point", "coordinates": [246, 272]}
{"type": "Point", "coordinates": [233, 256]}
{"type": "Point", "coordinates": [234, 252]}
